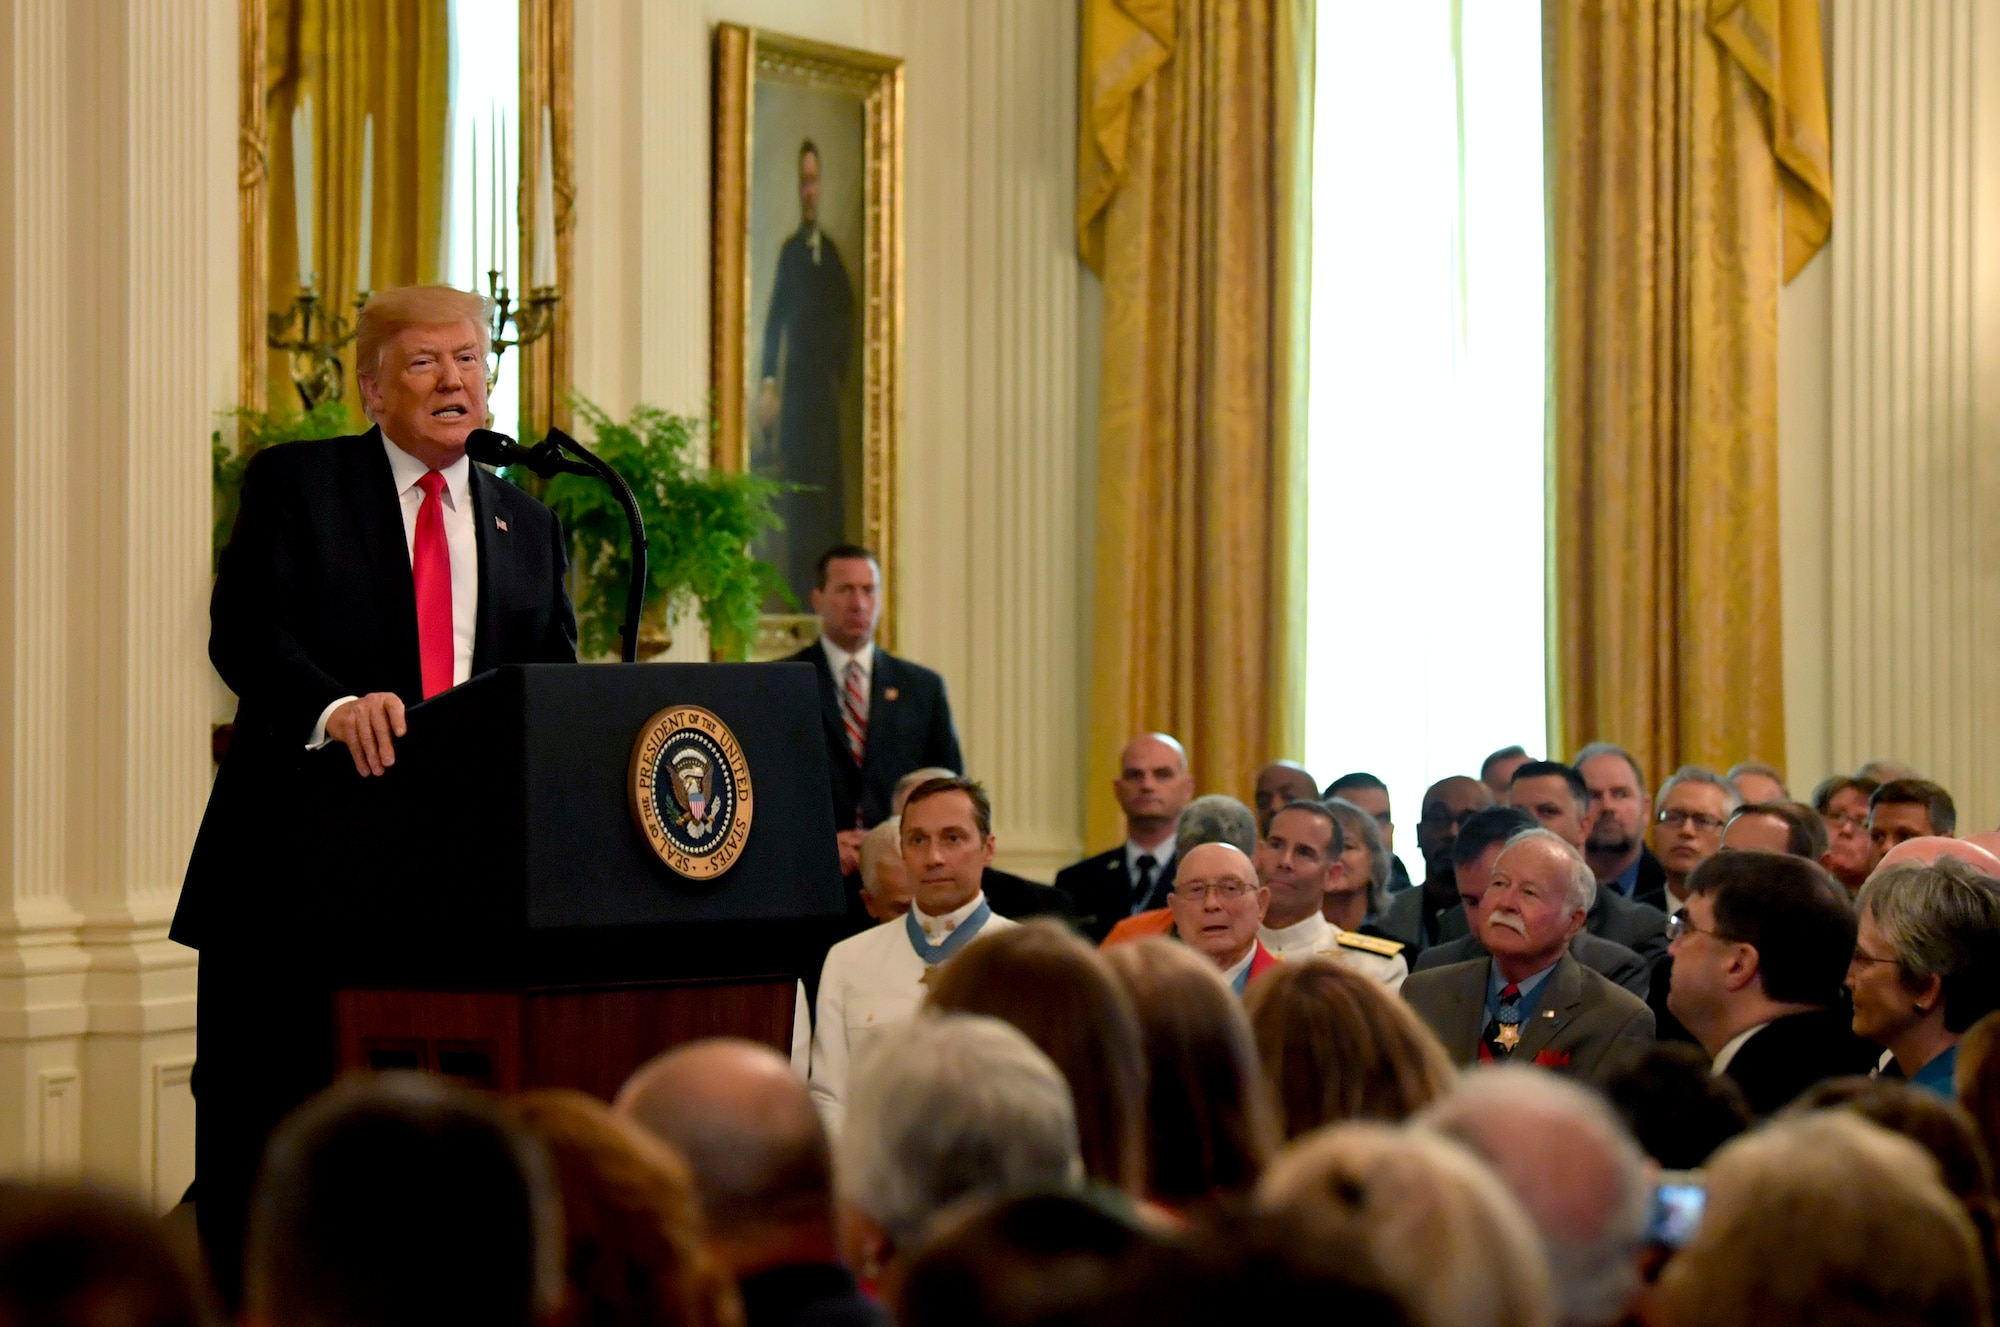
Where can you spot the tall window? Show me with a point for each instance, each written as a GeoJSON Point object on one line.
{"type": "Point", "coordinates": [486, 98]}
{"type": "Point", "coordinates": [1426, 469]}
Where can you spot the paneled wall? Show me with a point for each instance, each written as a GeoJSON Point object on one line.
{"type": "Point", "coordinates": [1890, 431]}
{"type": "Point", "coordinates": [117, 222]}
{"type": "Point", "coordinates": [994, 586]}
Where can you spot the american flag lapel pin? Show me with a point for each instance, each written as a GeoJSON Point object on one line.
{"type": "Point", "coordinates": [501, 524]}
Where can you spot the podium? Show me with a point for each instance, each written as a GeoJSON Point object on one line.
{"type": "Point", "coordinates": [491, 908]}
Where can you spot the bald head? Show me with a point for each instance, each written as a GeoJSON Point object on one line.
{"type": "Point", "coordinates": [1153, 786]}
{"type": "Point", "coordinates": [1280, 782]}
{"type": "Point", "coordinates": [747, 1128]}
{"type": "Point", "coordinates": [1931, 847]}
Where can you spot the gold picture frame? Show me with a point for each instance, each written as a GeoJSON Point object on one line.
{"type": "Point", "coordinates": [795, 76]}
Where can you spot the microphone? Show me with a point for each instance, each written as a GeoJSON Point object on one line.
{"type": "Point", "coordinates": [561, 454]}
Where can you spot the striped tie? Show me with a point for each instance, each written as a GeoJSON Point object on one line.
{"type": "Point", "coordinates": [854, 709]}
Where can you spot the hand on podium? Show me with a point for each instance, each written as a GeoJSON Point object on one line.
{"type": "Point", "coordinates": [364, 727]}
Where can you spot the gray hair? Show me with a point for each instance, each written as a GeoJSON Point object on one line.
{"type": "Point", "coordinates": [1358, 824]}
{"type": "Point", "coordinates": [1551, 1141]}
{"type": "Point", "coordinates": [1771, 772]}
{"type": "Point", "coordinates": [884, 838]}
{"type": "Point", "coordinates": [1596, 749]}
{"type": "Point", "coordinates": [1941, 920]}
{"type": "Point", "coordinates": [951, 1105]}
{"type": "Point", "coordinates": [908, 783]}
{"type": "Point", "coordinates": [1215, 818]}
{"type": "Point", "coordinates": [1732, 798]}
{"type": "Point", "coordinates": [1582, 880]}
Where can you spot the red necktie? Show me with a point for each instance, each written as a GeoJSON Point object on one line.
{"type": "Point", "coordinates": [430, 568]}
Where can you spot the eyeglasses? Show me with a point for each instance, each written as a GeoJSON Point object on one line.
{"type": "Point", "coordinates": [1676, 819]}
{"type": "Point", "coordinates": [1853, 824]}
{"type": "Point", "coordinates": [1862, 957]}
{"type": "Point", "coordinates": [1680, 924]}
{"type": "Point", "coordinates": [1225, 891]}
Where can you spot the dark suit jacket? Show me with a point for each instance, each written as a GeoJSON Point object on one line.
{"type": "Point", "coordinates": [1100, 890]}
{"type": "Point", "coordinates": [1608, 957]}
{"type": "Point", "coordinates": [1651, 886]}
{"type": "Point", "coordinates": [1017, 898]}
{"type": "Point", "coordinates": [314, 601]}
{"type": "Point", "coordinates": [1583, 1026]}
{"type": "Point", "coordinates": [1640, 927]}
{"type": "Point", "coordinates": [1788, 1055]}
{"type": "Point", "coordinates": [1403, 920]}
{"type": "Point", "coordinates": [906, 731]}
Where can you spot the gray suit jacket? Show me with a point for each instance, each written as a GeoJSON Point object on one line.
{"type": "Point", "coordinates": [1612, 959]}
{"type": "Point", "coordinates": [1640, 927]}
{"type": "Point", "coordinates": [1584, 1027]}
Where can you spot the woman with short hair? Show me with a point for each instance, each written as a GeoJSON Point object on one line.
{"type": "Point", "coordinates": [1926, 964]}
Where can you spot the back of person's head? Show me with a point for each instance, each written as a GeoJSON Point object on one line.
{"type": "Point", "coordinates": [403, 1200]}
{"type": "Point", "coordinates": [1482, 829]}
{"type": "Point", "coordinates": [1932, 797]}
{"type": "Point", "coordinates": [1446, 1236]}
{"type": "Point", "coordinates": [1977, 1079]}
{"type": "Point", "coordinates": [71, 1257]}
{"type": "Point", "coordinates": [1358, 781]}
{"type": "Point", "coordinates": [1679, 1111]}
{"type": "Point", "coordinates": [952, 1105]}
{"type": "Point", "coordinates": [738, 1115]}
{"type": "Point", "coordinates": [1941, 919]}
{"type": "Point", "coordinates": [1336, 1045]}
{"type": "Point", "coordinates": [1825, 1220]}
{"type": "Point", "coordinates": [632, 1218]}
{"type": "Point", "coordinates": [1210, 1124]}
{"type": "Point", "coordinates": [1006, 1262]}
{"type": "Point", "coordinates": [1063, 994]}
{"type": "Point", "coordinates": [1795, 915]}
{"type": "Point", "coordinates": [1582, 1180]}
{"type": "Point", "coordinates": [1215, 818]}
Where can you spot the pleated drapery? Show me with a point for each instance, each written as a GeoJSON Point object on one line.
{"type": "Point", "coordinates": [391, 58]}
{"type": "Point", "coordinates": [1672, 219]}
{"type": "Point", "coordinates": [1194, 148]}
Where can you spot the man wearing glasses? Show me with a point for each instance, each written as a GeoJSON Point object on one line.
{"type": "Point", "coordinates": [1424, 917]}
{"type": "Point", "coordinates": [1693, 809]}
{"type": "Point", "coordinates": [1217, 906]}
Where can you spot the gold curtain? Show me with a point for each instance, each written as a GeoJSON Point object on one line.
{"type": "Point", "coordinates": [1665, 253]}
{"type": "Point", "coordinates": [391, 58]}
{"type": "Point", "coordinates": [1195, 125]}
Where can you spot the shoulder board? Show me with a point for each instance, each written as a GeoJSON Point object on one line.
{"type": "Point", "coordinates": [1373, 944]}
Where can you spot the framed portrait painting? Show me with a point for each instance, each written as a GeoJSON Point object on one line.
{"type": "Point", "coordinates": [808, 257]}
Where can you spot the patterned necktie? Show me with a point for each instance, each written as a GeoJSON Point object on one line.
{"type": "Point", "coordinates": [430, 570]}
{"type": "Point", "coordinates": [1507, 1022]}
{"type": "Point", "coordinates": [854, 709]}
{"type": "Point", "coordinates": [1142, 892]}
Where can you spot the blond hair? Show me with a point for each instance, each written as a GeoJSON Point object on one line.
{"type": "Point", "coordinates": [1452, 1244]}
{"type": "Point", "coordinates": [391, 311]}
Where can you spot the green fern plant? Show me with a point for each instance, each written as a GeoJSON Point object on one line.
{"type": "Point", "coordinates": [700, 524]}
{"type": "Point", "coordinates": [256, 430]}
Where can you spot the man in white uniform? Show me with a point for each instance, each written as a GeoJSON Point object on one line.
{"type": "Point", "coordinates": [874, 981]}
{"type": "Point", "coordinates": [1299, 861]}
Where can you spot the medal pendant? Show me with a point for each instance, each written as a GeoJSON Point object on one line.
{"type": "Point", "coordinates": [1509, 1036]}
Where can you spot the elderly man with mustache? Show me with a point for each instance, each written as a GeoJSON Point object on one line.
{"type": "Point", "coordinates": [1528, 1000]}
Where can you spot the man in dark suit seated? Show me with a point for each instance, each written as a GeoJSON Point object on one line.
{"type": "Point", "coordinates": [882, 716]}
{"type": "Point", "coordinates": [1153, 787]}
{"type": "Point", "coordinates": [1556, 795]}
{"type": "Point", "coordinates": [1620, 810]}
{"type": "Point", "coordinates": [1530, 1002]}
{"type": "Point", "coordinates": [1759, 954]}
{"type": "Point", "coordinates": [1477, 848]}
{"type": "Point", "coordinates": [364, 575]}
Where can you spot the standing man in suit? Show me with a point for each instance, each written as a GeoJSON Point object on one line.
{"type": "Point", "coordinates": [1759, 955]}
{"type": "Point", "coordinates": [1531, 1002]}
{"type": "Point", "coordinates": [1556, 795]}
{"type": "Point", "coordinates": [1153, 787]}
{"type": "Point", "coordinates": [364, 575]}
{"type": "Point", "coordinates": [1620, 810]}
{"type": "Point", "coordinates": [883, 716]}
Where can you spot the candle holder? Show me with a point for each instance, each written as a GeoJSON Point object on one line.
{"type": "Point", "coordinates": [532, 319]}
{"type": "Point", "coordinates": [317, 372]}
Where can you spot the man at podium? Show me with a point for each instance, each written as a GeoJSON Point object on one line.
{"type": "Point", "coordinates": [364, 574]}
{"type": "Point", "coordinates": [883, 716]}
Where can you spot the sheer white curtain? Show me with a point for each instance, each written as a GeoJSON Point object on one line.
{"type": "Point", "coordinates": [1427, 463]}
{"type": "Point", "coordinates": [485, 90]}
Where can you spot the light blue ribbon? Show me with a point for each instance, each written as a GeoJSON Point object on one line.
{"type": "Point", "coordinates": [931, 954]}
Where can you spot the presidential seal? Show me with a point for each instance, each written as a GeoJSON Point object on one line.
{"type": "Point", "coordinates": [690, 790]}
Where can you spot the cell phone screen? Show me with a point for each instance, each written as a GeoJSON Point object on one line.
{"type": "Point", "coordinates": [1677, 1207]}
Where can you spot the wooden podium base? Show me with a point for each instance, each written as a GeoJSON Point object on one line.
{"type": "Point", "coordinates": [586, 1037]}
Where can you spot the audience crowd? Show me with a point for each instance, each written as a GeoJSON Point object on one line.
{"type": "Point", "coordinates": [1699, 1055]}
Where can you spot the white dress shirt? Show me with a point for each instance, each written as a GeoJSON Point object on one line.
{"type": "Point", "coordinates": [1730, 1047]}
{"type": "Point", "coordinates": [1316, 935]}
{"type": "Point", "coordinates": [461, 538]}
{"type": "Point", "coordinates": [872, 983]}
{"type": "Point", "coordinates": [838, 659]}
